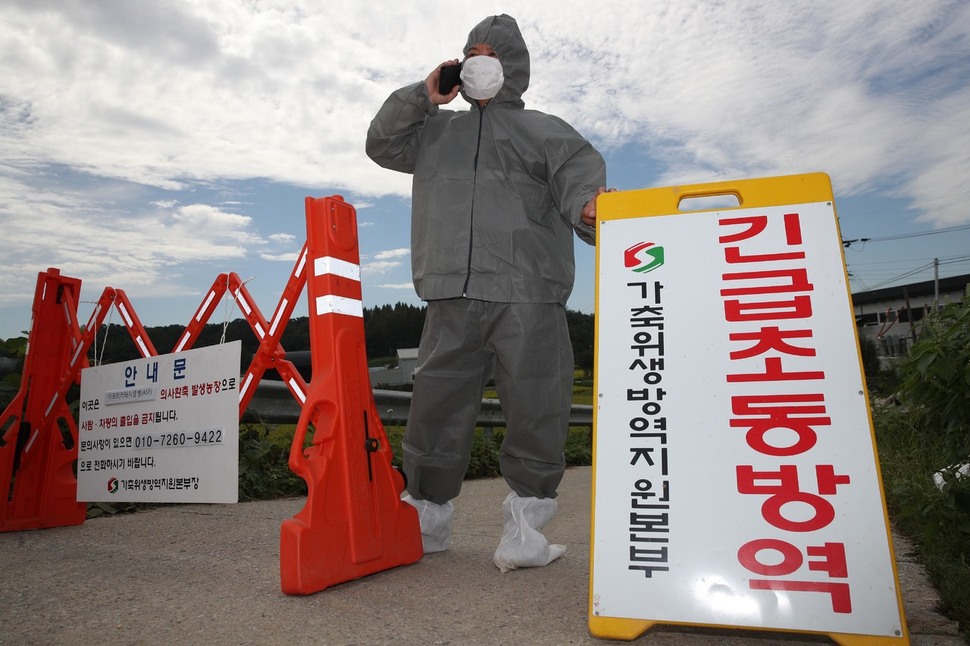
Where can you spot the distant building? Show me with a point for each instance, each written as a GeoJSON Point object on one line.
{"type": "Point", "coordinates": [407, 361]}
{"type": "Point", "coordinates": [891, 316]}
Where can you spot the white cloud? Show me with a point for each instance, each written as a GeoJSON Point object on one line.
{"type": "Point", "coordinates": [404, 286]}
{"type": "Point", "coordinates": [114, 115]}
{"type": "Point", "coordinates": [280, 257]}
{"type": "Point", "coordinates": [392, 253]}
{"type": "Point", "coordinates": [379, 267]}
{"type": "Point", "coordinates": [78, 235]}
{"type": "Point", "coordinates": [216, 89]}
{"type": "Point", "coordinates": [167, 93]}
{"type": "Point", "coordinates": [722, 90]}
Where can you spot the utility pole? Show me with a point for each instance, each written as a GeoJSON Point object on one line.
{"type": "Point", "coordinates": [936, 283]}
{"type": "Point", "coordinates": [909, 317]}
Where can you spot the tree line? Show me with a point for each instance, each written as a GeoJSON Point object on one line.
{"type": "Point", "coordinates": [387, 328]}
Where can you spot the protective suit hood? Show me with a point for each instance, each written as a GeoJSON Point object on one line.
{"type": "Point", "coordinates": [502, 33]}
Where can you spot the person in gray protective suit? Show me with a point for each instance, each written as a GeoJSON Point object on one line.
{"type": "Point", "coordinates": [498, 192]}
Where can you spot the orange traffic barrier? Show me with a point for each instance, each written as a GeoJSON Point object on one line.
{"type": "Point", "coordinates": [354, 522]}
{"type": "Point", "coordinates": [38, 435]}
{"type": "Point", "coordinates": [36, 463]}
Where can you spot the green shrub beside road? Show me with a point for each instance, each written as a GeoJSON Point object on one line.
{"type": "Point", "coordinates": [931, 518]}
{"type": "Point", "coordinates": [927, 432]}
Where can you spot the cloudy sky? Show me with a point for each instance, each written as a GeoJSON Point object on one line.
{"type": "Point", "coordinates": [150, 145]}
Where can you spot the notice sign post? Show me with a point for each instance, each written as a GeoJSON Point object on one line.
{"type": "Point", "coordinates": [736, 482]}
{"type": "Point", "coordinates": [161, 429]}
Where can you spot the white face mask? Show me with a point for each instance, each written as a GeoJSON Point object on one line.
{"type": "Point", "coordinates": [482, 77]}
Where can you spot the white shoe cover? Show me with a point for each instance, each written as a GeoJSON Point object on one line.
{"type": "Point", "coordinates": [522, 544]}
{"type": "Point", "coordinates": [435, 523]}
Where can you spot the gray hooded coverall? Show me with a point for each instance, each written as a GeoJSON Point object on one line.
{"type": "Point", "coordinates": [497, 193]}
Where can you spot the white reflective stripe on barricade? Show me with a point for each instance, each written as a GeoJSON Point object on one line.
{"type": "Point", "coordinates": [337, 267]}
{"type": "Point", "coordinates": [331, 304]}
{"type": "Point", "coordinates": [297, 390]}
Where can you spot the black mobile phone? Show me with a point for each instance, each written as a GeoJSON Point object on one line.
{"type": "Point", "coordinates": [449, 78]}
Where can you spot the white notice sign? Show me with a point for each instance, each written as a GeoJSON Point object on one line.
{"type": "Point", "coordinates": [736, 480]}
{"type": "Point", "coordinates": [161, 429]}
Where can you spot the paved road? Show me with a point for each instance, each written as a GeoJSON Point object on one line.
{"type": "Point", "coordinates": [209, 574]}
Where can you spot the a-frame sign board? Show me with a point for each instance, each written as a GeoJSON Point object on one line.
{"type": "Point", "coordinates": [736, 482]}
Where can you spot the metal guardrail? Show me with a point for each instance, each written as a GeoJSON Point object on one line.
{"type": "Point", "coordinates": [274, 403]}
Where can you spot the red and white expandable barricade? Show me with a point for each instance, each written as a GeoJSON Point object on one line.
{"type": "Point", "coordinates": [354, 522]}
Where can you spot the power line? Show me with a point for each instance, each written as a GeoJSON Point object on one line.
{"type": "Point", "coordinates": [953, 259]}
{"type": "Point", "coordinates": [901, 276]}
{"type": "Point", "coordinates": [897, 262]}
{"type": "Point", "coordinates": [937, 262]}
{"type": "Point", "coordinates": [921, 233]}
{"type": "Point", "coordinates": [963, 227]}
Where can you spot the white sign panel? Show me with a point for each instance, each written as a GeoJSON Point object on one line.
{"type": "Point", "coordinates": [161, 429]}
{"type": "Point", "coordinates": [736, 481]}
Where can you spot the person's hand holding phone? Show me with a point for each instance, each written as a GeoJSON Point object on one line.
{"type": "Point", "coordinates": [448, 72]}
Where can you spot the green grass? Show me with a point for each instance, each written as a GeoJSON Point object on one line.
{"type": "Point", "coordinates": [932, 519]}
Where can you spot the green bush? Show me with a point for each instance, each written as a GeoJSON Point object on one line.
{"type": "Point", "coordinates": [579, 447]}
{"type": "Point", "coordinates": [909, 455]}
{"type": "Point", "coordinates": [929, 434]}
{"type": "Point", "coordinates": [16, 349]}
{"type": "Point", "coordinates": [484, 456]}
{"type": "Point", "coordinates": [936, 376]}
{"type": "Point", "coordinates": [870, 361]}
{"type": "Point", "coordinates": [880, 381]}
{"type": "Point", "coordinates": [264, 471]}
{"type": "Point", "coordinates": [887, 381]}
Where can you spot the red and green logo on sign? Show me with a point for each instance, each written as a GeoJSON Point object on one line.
{"type": "Point", "coordinates": [643, 257]}
{"type": "Point", "coordinates": [112, 485]}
